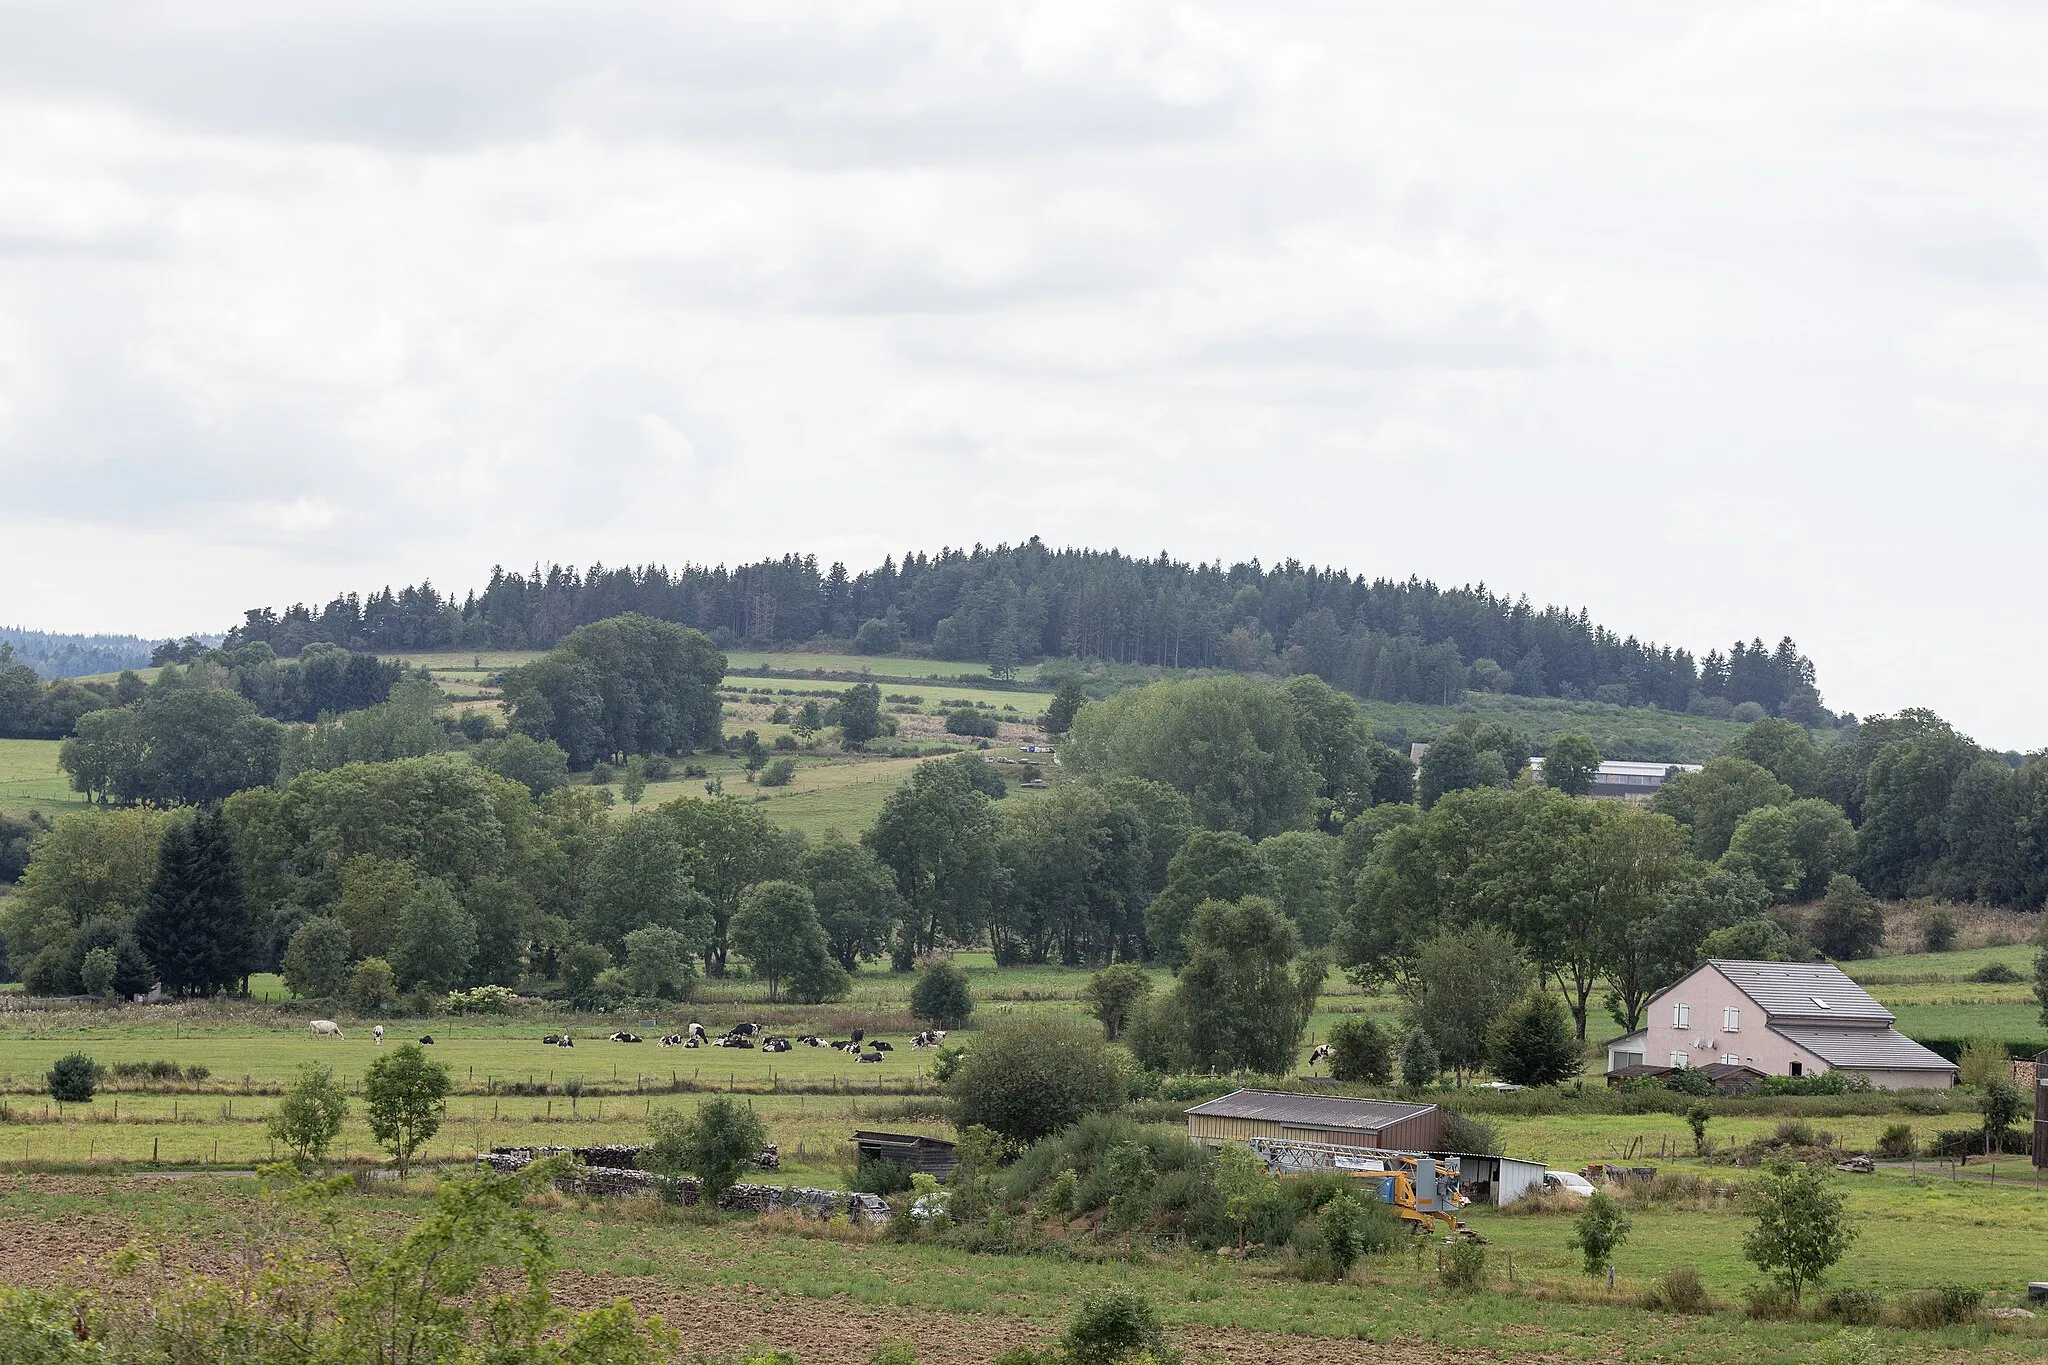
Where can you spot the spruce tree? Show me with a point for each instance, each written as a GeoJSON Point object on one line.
{"type": "Point", "coordinates": [195, 926]}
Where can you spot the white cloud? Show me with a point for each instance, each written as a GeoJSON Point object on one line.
{"type": "Point", "coordinates": [301, 298]}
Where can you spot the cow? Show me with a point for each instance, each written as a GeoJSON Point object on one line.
{"type": "Point", "coordinates": [552, 1040]}
{"type": "Point", "coordinates": [378, 1034]}
{"type": "Point", "coordinates": [1322, 1052]}
{"type": "Point", "coordinates": [325, 1028]}
{"type": "Point", "coordinates": [743, 1030]}
{"type": "Point", "coordinates": [671, 1040]}
{"type": "Point", "coordinates": [880, 1046]}
{"type": "Point", "coordinates": [776, 1045]}
{"type": "Point", "coordinates": [696, 1030]}
{"type": "Point", "coordinates": [929, 1038]}
{"type": "Point", "coordinates": [871, 1056]}
{"type": "Point", "coordinates": [565, 1041]}
{"type": "Point", "coordinates": [427, 1038]}
{"type": "Point", "coordinates": [859, 1034]}
{"type": "Point", "coordinates": [624, 1037]}
{"type": "Point", "coordinates": [811, 1040]}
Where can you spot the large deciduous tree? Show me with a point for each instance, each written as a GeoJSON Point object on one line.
{"type": "Point", "coordinates": [941, 838]}
{"type": "Point", "coordinates": [1712, 801]}
{"type": "Point", "coordinates": [1237, 1006]}
{"type": "Point", "coordinates": [627, 685]}
{"type": "Point", "coordinates": [728, 846]}
{"type": "Point", "coordinates": [1219, 865]}
{"type": "Point", "coordinates": [856, 898]}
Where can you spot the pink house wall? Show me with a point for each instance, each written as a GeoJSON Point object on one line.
{"type": "Point", "coordinates": [1704, 1038]}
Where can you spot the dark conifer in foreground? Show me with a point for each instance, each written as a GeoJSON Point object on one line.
{"type": "Point", "coordinates": [196, 924]}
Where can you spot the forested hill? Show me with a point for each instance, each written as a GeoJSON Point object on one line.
{"type": "Point", "coordinates": [1385, 639]}
{"type": "Point", "coordinates": [75, 656]}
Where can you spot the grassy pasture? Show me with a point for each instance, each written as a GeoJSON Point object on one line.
{"type": "Point", "coordinates": [31, 780]}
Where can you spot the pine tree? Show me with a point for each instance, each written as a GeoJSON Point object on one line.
{"type": "Point", "coordinates": [195, 926]}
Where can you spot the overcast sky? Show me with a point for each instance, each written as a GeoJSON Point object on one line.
{"type": "Point", "coordinates": [1716, 319]}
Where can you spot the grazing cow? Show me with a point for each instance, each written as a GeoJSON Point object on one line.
{"type": "Point", "coordinates": [743, 1030]}
{"type": "Point", "coordinates": [880, 1046]}
{"type": "Point", "coordinates": [858, 1034]}
{"type": "Point", "coordinates": [378, 1034]}
{"type": "Point", "coordinates": [624, 1037]}
{"type": "Point", "coordinates": [871, 1056]}
{"type": "Point", "coordinates": [428, 1039]}
{"type": "Point", "coordinates": [1322, 1052]}
{"type": "Point", "coordinates": [325, 1028]}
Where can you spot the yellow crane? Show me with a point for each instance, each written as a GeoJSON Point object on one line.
{"type": "Point", "coordinates": [1421, 1190]}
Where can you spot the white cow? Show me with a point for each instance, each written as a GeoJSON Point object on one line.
{"type": "Point", "coordinates": [325, 1028]}
{"type": "Point", "coordinates": [378, 1034]}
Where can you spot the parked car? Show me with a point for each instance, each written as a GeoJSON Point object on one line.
{"type": "Point", "coordinates": [1570, 1183]}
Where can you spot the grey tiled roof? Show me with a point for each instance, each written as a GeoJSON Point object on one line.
{"type": "Point", "coordinates": [1788, 990]}
{"type": "Point", "coordinates": [1866, 1049]}
{"type": "Point", "coordinates": [1312, 1111]}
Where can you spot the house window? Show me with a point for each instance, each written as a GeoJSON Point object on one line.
{"type": "Point", "coordinates": [1622, 1059]}
{"type": "Point", "coordinates": [1681, 1061]}
{"type": "Point", "coordinates": [1799, 1068]}
{"type": "Point", "coordinates": [1731, 1020]}
{"type": "Point", "coordinates": [1731, 1059]}
{"type": "Point", "coordinates": [1681, 1016]}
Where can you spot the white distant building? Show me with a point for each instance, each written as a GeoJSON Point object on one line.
{"type": "Point", "coordinates": [1623, 781]}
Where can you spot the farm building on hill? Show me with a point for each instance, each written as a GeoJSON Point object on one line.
{"type": "Point", "coordinates": [1620, 780]}
{"type": "Point", "coordinates": [1781, 1019]}
{"type": "Point", "coordinates": [1385, 1124]}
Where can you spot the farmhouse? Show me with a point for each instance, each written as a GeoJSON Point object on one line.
{"type": "Point", "coordinates": [1384, 1124]}
{"type": "Point", "coordinates": [1618, 780]}
{"type": "Point", "coordinates": [1781, 1019]}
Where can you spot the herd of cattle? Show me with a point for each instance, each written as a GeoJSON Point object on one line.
{"type": "Point", "coordinates": [859, 1046]}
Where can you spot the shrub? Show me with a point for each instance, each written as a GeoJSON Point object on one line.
{"type": "Point", "coordinates": [316, 959]}
{"type": "Point", "coordinates": [602, 774]}
{"type": "Point", "coordinates": [715, 1146]}
{"type": "Point", "coordinates": [308, 1119]}
{"type": "Point", "coordinates": [405, 1094]}
{"type": "Point", "coordinates": [1677, 1290]}
{"type": "Point", "coordinates": [1696, 1118]}
{"type": "Point", "coordinates": [780, 773]}
{"type": "Point", "coordinates": [972, 723]}
{"type": "Point", "coordinates": [1463, 1266]}
{"type": "Point", "coordinates": [1115, 1327]}
{"type": "Point", "coordinates": [879, 1175]}
{"type": "Point", "coordinates": [1360, 1052]}
{"type": "Point", "coordinates": [1995, 973]}
{"type": "Point", "coordinates": [1852, 1307]}
{"type": "Point", "coordinates": [1467, 1133]}
{"type": "Point", "coordinates": [1946, 1305]}
{"type": "Point", "coordinates": [96, 972]}
{"type": "Point", "coordinates": [73, 1078]}
{"type": "Point", "coordinates": [1982, 1061]}
{"type": "Point", "coordinates": [1420, 1062]}
{"type": "Point", "coordinates": [1034, 1075]}
{"type": "Point", "coordinates": [1601, 1229]}
{"type": "Point", "coordinates": [1896, 1141]}
{"type": "Point", "coordinates": [373, 986]}
{"type": "Point", "coordinates": [1769, 1301]}
{"type": "Point", "coordinates": [1849, 924]}
{"type": "Point", "coordinates": [941, 997]}
{"type": "Point", "coordinates": [482, 1000]}
{"type": "Point", "coordinates": [1938, 932]}
{"type": "Point", "coordinates": [1802, 1226]}
{"type": "Point", "coordinates": [1114, 992]}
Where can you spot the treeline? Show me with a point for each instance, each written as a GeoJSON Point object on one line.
{"type": "Point", "coordinates": [322, 680]}
{"type": "Point", "coordinates": [75, 656]}
{"type": "Point", "coordinates": [1382, 638]}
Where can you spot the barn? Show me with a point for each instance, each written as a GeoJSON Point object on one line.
{"type": "Point", "coordinates": [1385, 1124]}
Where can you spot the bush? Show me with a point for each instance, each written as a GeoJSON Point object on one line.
{"type": "Point", "coordinates": [308, 1119]}
{"type": "Point", "coordinates": [1770, 1302]}
{"type": "Point", "coordinates": [1360, 1052]}
{"type": "Point", "coordinates": [1601, 1229]}
{"type": "Point", "coordinates": [1995, 974]}
{"type": "Point", "coordinates": [373, 987]}
{"type": "Point", "coordinates": [482, 1000]}
{"type": "Point", "coordinates": [1031, 1076]}
{"type": "Point", "coordinates": [1938, 932]}
{"type": "Point", "coordinates": [1896, 1141]}
{"type": "Point", "coordinates": [96, 972]}
{"type": "Point", "coordinates": [716, 1146]}
{"type": "Point", "coordinates": [879, 1175]}
{"type": "Point", "coordinates": [1852, 1307]}
{"type": "Point", "coordinates": [316, 959]}
{"type": "Point", "coordinates": [73, 1078]}
{"type": "Point", "coordinates": [972, 723]}
{"type": "Point", "coordinates": [1849, 925]}
{"type": "Point", "coordinates": [780, 773]}
{"type": "Point", "coordinates": [1465, 1133]}
{"type": "Point", "coordinates": [1463, 1266]}
{"type": "Point", "coordinates": [1947, 1305]}
{"type": "Point", "coordinates": [1420, 1062]}
{"type": "Point", "coordinates": [1115, 1327]}
{"type": "Point", "coordinates": [1677, 1290]}
{"type": "Point", "coordinates": [1982, 1061]}
{"type": "Point", "coordinates": [941, 997]}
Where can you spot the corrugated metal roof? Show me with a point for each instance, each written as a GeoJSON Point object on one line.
{"type": "Point", "coordinates": [1796, 990]}
{"type": "Point", "coordinates": [1310, 1111]}
{"type": "Point", "coordinates": [1866, 1049]}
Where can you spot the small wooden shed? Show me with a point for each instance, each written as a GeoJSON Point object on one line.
{"type": "Point", "coordinates": [1385, 1124]}
{"type": "Point", "coordinates": [932, 1156]}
